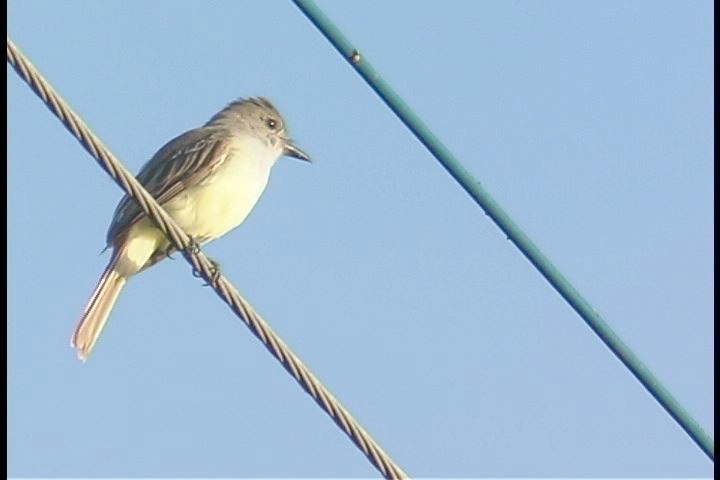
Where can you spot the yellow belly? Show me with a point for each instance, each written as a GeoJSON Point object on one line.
{"type": "Point", "coordinates": [205, 211]}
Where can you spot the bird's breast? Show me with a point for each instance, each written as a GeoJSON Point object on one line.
{"type": "Point", "coordinates": [224, 199]}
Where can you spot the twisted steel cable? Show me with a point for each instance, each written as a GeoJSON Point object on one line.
{"type": "Point", "coordinates": [203, 266]}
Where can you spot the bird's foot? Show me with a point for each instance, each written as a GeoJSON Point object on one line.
{"type": "Point", "coordinates": [169, 250]}
{"type": "Point", "coordinates": [193, 247]}
{"type": "Point", "coordinates": [214, 272]}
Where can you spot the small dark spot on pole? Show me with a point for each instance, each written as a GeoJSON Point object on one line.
{"type": "Point", "coordinates": [355, 57]}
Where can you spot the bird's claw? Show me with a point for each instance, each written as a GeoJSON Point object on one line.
{"type": "Point", "coordinates": [169, 250]}
{"type": "Point", "coordinates": [193, 247]}
{"type": "Point", "coordinates": [214, 275]}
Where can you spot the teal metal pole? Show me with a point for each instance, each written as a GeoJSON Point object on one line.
{"type": "Point", "coordinates": [507, 225]}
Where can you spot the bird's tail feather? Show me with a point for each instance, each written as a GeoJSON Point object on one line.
{"type": "Point", "coordinates": [97, 310]}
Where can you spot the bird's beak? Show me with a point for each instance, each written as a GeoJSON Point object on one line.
{"type": "Point", "coordinates": [292, 151]}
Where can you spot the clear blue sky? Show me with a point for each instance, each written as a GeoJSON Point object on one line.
{"type": "Point", "coordinates": [590, 122]}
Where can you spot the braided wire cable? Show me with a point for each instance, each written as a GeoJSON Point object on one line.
{"type": "Point", "coordinates": [203, 266]}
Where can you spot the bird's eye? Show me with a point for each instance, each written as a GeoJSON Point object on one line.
{"type": "Point", "coordinates": [271, 123]}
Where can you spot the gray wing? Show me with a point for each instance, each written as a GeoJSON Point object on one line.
{"type": "Point", "coordinates": [185, 160]}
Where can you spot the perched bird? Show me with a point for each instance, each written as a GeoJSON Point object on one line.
{"type": "Point", "coordinates": [208, 180]}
